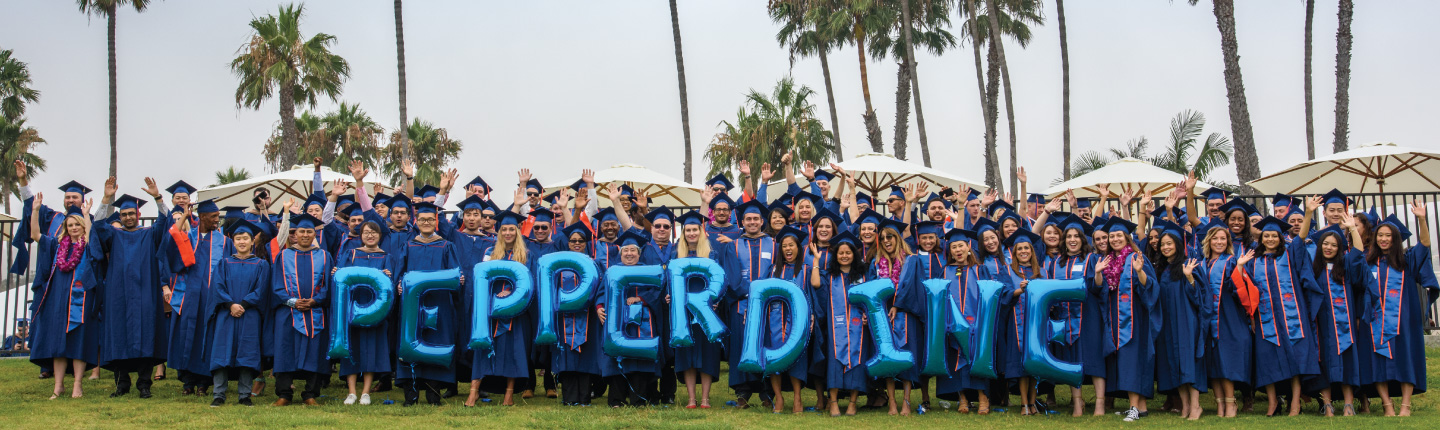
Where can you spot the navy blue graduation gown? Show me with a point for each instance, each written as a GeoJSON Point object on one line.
{"type": "Point", "coordinates": [301, 337]}
{"type": "Point", "coordinates": [1397, 317]}
{"type": "Point", "coordinates": [1065, 267]}
{"type": "Point", "coordinates": [1285, 343]}
{"type": "Point", "coordinates": [1010, 338]}
{"type": "Point", "coordinates": [1131, 323]}
{"type": "Point", "coordinates": [966, 294]}
{"type": "Point", "coordinates": [1179, 345]}
{"type": "Point", "coordinates": [371, 348]}
{"type": "Point", "coordinates": [704, 356]}
{"type": "Point", "coordinates": [846, 334]}
{"type": "Point", "coordinates": [192, 258]}
{"type": "Point", "coordinates": [1225, 323]}
{"type": "Point", "coordinates": [910, 299]}
{"type": "Point", "coordinates": [581, 333]}
{"type": "Point", "coordinates": [906, 328]}
{"type": "Point", "coordinates": [63, 308]}
{"type": "Point", "coordinates": [131, 299]}
{"type": "Point", "coordinates": [638, 321]}
{"type": "Point", "coordinates": [1336, 322]}
{"type": "Point", "coordinates": [754, 257]}
{"type": "Point", "coordinates": [235, 342]}
{"type": "Point", "coordinates": [469, 251]}
{"type": "Point", "coordinates": [512, 336]}
{"type": "Point", "coordinates": [51, 220]}
{"type": "Point", "coordinates": [437, 255]}
{"type": "Point", "coordinates": [778, 321]}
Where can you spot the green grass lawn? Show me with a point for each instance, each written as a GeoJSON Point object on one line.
{"type": "Point", "coordinates": [24, 402]}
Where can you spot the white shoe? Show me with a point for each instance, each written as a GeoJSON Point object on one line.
{"type": "Point", "coordinates": [364, 399]}
{"type": "Point", "coordinates": [1132, 415]}
{"type": "Point", "coordinates": [350, 399]}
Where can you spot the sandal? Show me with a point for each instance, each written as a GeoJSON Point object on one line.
{"type": "Point", "coordinates": [160, 377]}
{"type": "Point", "coordinates": [984, 408]}
{"type": "Point", "coordinates": [1349, 410]}
{"type": "Point", "coordinates": [1404, 409]}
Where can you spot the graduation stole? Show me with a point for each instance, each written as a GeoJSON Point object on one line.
{"type": "Point", "coordinates": [501, 325]}
{"type": "Point", "coordinates": [191, 246]}
{"type": "Point", "coordinates": [885, 268]}
{"type": "Point", "coordinates": [1124, 303]}
{"type": "Point", "coordinates": [962, 287]}
{"type": "Point", "coordinates": [1021, 305]}
{"type": "Point", "coordinates": [75, 309]}
{"type": "Point", "coordinates": [1215, 283]}
{"type": "Point", "coordinates": [847, 321]}
{"type": "Point", "coordinates": [1339, 310]}
{"type": "Point", "coordinates": [792, 273]}
{"type": "Point", "coordinates": [577, 324]}
{"type": "Point", "coordinates": [311, 321]}
{"type": "Point", "coordinates": [1068, 267]}
{"type": "Point", "coordinates": [756, 255]}
{"type": "Point", "coordinates": [1391, 283]}
{"type": "Point", "coordinates": [1290, 306]}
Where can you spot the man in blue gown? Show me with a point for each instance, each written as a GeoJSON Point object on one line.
{"type": "Point", "coordinates": [191, 254]}
{"type": "Point", "coordinates": [133, 337]}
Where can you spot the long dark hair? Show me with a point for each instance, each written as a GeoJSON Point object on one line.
{"type": "Point", "coordinates": [858, 266]}
{"type": "Point", "coordinates": [1336, 265]}
{"type": "Point", "coordinates": [1175, 265]}
{"type": "Point", "coordinates": [981, 253]}
{"type": "Point", "coordinates": [1279, 250]}
{"type": "Point", "coordinates": [1393, 255]}
{"type": "Point", "coordinates": [779, 266]}
{"type": "Point", "coordinates": [1085, 239]}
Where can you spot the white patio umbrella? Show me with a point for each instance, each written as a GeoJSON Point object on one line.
{"type": "Point", "coordinates": [294, 183]}
{"type": "Point", "coordinates": [1125, 174]}
{"type": "Point", "coordinates": [875, 172]}
{"type": "Point", "coordinates": [663, 190]}
{"type": "Point", "coordinates": [1370, 168]}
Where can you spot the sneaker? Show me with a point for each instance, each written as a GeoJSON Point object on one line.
{"type": "Point", "coordinates": [364, 399]}
{"type": "Point", "coordinates": [246, 402]}
{"type": "Point", "coordinates": [350, 399]}
{"type": "Point", "coordinates": [217, 402]}
{"type": "Point", "coordinates": [1132, 415]}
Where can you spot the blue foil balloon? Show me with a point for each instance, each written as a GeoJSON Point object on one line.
{"type": "Point", "coordinates": [940, 308]}
{"type": "Point", "coordinates": [1041, 330]}
{"type": "Point", "coordinates": [347, 312]}
{"type": "Point", "coordinates": [617, 278]}
{"type": "Point", "coordinates": [411, 348]}
{"type": "Point", "coordinates": [688, 307]}
{"type": "Point", "coordinates": [487, 307]}
{"type": "Point", "coordinates": [756, 359]}
{"type": "Point", "coordinates": [552, 299]}
{"type": "Point", "coordinates": [983, 357]}
{"type": "Point", "coordinates": [887, 360]}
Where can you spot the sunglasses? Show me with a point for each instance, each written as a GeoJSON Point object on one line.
{"type": "Point", "coordinates": [540, 227]}
{"type": "Point", "coordinates": [485, 216]}
{"type": "Point", "coordinates": [662, 226]}
{"type": "Point", "coordinates": [532, 194]}
{"type": "Point", "coordinates": [578, 241]}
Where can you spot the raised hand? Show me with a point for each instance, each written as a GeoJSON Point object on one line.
{"type": "Point", "coordinates": [766, 173]}
{"type": "Point", "coordinates": [39, 200]}
{"type": "Point", "coordinates": [111, 187]}
{"type": "Point", "coordinates": [1104, 190]}
{"type": "Point", "coordinates": [449, 179]}
{"type": "Point", "coordinates": [1021, 175]}
{"type": "Point", "coordinates": [1313, 202]}
{"type": "Point", "coordinates": [588, 176]}
{"type": "Point", "coordinates": [1418, 209]}
{"type": "Point", "coordinates": [1136, 263]}
{"type": "Point", "coordinates": [86, 206]}
{"type": "Point", "coordinates": [785, 159]}
{"type": "Point", "coordinates": [744, 168]}
{"type": "Point", "coordinates": [376, 189]}
{"type": "Point", "coordinates": [20, 171]}
{"type": "Point", "coordinates": [642, 200]}
{"type": "Point", "coordinates": [1347, 220]}
{"type": "Point", "coordinates": [706, 194]}
{"type": "Point", "coordinates": [808, 169]}
{"type": "Point", "coordinates": [1104, 262]}
{"type": "Point", "coordinates": [962, 193]}
{"type": "Point", "coordinates": [921, 189]}
{"type": "Point", "coordinates": [837, 169]}
{"type": "Point", "coordinates": [1070, 198]}
{"type": "Point", "coordinates": [613, 189]}
{"type": "Point", "coordinates": [1052, 206]}
{"type": "Point", "coordinates": [1190, 266]}
{"type": "Point", "coordinates": [289, 203]}
{"type": "Point", "coordinates": [1246, 257]}
{"type": "Point", "coordinates": [1126, 198]}
{"type": "Point", "coordinates": [407, 167]}
{"type": "Point", "coordinates": [317, 164]}
{"type": "Point", "coordinates": [524, 176]}
{"type": "Point", "coordinates": [338, 187]}
{"type": "Point", "coordinates": [150, 188]}
{"type": "Point", "coordinates": [357, 170]}
{"type": "Point", "coordinates": [989, 198]}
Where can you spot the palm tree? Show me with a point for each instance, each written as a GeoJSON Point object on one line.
{"type": "Point", "coordinates": [684, 98]}
{"type": "Point", "coordinates": [992, 163]}
{"type": "Point", "coordinates": [804, 35]}
{"type": "Point", "coordinates": [857, 19]}
{"type": "Point", "coordinates": [229, 176]}
{"type": "Point", "coordinates": [15, 89]}
{"type": "Point", "coordinates": [400, 63]}
{"type": "Point", "coordinates": [1014, 20]}
{"type": "Point", "coordinates": [767, 127]}
{"type": "Point", "coordinates": [432, 150]}
{"type": "Point", "coordinates": [108, 9]}
{"type": "Point", "coordinates": [16, 142]}
{"type": "Point", "coordinates": [1342, 76]}
{"type": "Point", "coordinates": [278, 57]}
{"type": "Point", "coordinates": [1183, 153]}
{"type": "Point", "coordinates": [339, 137]}
{"type": "Point", "coordinates": [1309, 101]}
{"type": "Point", "coordinates": [931, 17]}
{"type": "Point", "coordinates": [1065, 86]}
{"type": "Point", "coordinates": [1092, 160]}
{"type": "Point", "coordinates": [1247, 162]}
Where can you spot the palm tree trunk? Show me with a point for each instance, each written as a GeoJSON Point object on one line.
{"type": "Point", "coordinates": [830, 97]}
{"type": "Point", "coordinates": [872, 124]}
{"type": "Point", "coordinates": [999, 46]}
{"type": "Point", "coordinates": [992, 109]}
{"type": "Point", "coordinates": [289, 134]}
{"type": "Point", "coordinates": [902, 109]}
{"type": "Point", "coordinates": [1309, 99]}
{"type": "Point", "coordinates": [1247, 165]}
{"type": "Point", "coordinates": [1065, 86]}
{"type": "Point", "coordinates": [914, 81]}
{"type": "Point", "coordinates": [114, 104]}
{"type": "Point", "coordinates": [1342, 76]}
{"type": "Point", "coordinates": [992, 165]}
{"type": "Point", "coordinates": [684, 98]}
{"type": "Point", "coordinates": [400, 64]}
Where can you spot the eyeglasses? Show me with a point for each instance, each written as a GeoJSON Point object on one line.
{"type": "Point", "coordinates": [662, 226]}
{"type": "Point", "coordinates": [540, 227]}
{"type": "Point", "coordinates": [892, 200]}
{"type": "Point", "coordinates": [578, 241]}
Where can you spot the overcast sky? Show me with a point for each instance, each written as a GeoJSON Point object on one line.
{"type": "Point", "coordinates": [561, 86]}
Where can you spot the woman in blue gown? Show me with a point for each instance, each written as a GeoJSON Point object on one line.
{"type": "Point", "coordinates": [370, 351]}
{"type": "Point", "coordinates": [927, 263]}
{"type": "Point", "coordinates": [578, 356]}
{"type": "Point", "coordinates": [793, 266]}
{"type": "Point", "coordinates": [1130, 319]}
{"type": "Point", "coordinates": [1179, 347]}
{"type": "Point", "coordinates": [632, 377]}
{"type": "Point", "coordinates": [242, 281]}
{"type": "Point", "coordinates": [990, 250]}
{"type": "Point", "coordinates": [887, 262]}
{"type": "Point", "coordinates": [845, 324]}
{"type": "Point", "coordinates": [63, 310]}
{"type": "Point", "coordinates": [1396, 313]}
{"type": "Point", "coordinates": [962, 271]}
{"type": "Point", "coordinates": [1074, 261]}
{"type": "Point", "coordinates": [1340, 315]}
{"type": "Point", "coordinates": [426, 250]}
{"type": "Point", "coordinates": [1288, 296]}
{"type": "Point", "coordinates": [703, 357]}
{"type": "Point", "coordinates": [509, 356]}
{"type": "Point", "coordinates": [1225, 311]}
{"type": "Point", "coordinates": [1025, 249]}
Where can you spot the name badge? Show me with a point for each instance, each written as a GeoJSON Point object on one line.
{"type": "Point", "coordinates": [1078, 268]}
{"type": "Point", "coordinates": [1376, 274]}
{"type": "Point", "coordinates": [487, 257]}
{"type": "Point", "coordinates": [764, 255]}
{"type": "Point", "coordinates": [1329, 266]}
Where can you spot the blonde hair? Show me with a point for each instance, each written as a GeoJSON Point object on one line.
{"type": "Point", "coordinates": [1034, 260]}
{"type": "Point", "coordinates": [902, 249]}
{"type": "Point", "coordinates": [1205, 246]}
{"type": "Point", "coordinates": [702, 245]}
{"type": "Point", "coordinates": [498, 253]}
{"type": "Point", "coordinates": [84, 226]}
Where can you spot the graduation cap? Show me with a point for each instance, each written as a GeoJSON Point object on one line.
{"type": "Point", "coordinates": [317, 198]}
{"type": "Point", "coordinates": [579, 185]}
{"type": "Point", "coordinates": [1373, 217]}
{"type": "Point", "coordinates": [75, 187]}
{"type": "Point", "coordinates": [207, 206]}
{"type": "Point", "coordinates": [381, 199]}
{"type": "Point", "coordinates": [473, 202]}
{"type": "Point", "coordinates": [791, 231]}
{"type": "Point", "coordinates": [1238, 205]}
{"type": "Point", "coordinates": [578, 227]}
{"type": "Point", "coordinates": [351, 211]}
{"type": "Point", "coordinates": [898, 226]}
{"type": "Point", "coordinates": [1022, 236]}
{"type": "Point", "coordinates": [1335, 197]}
{"type": "Point", "coordinates": [936, 198]}
{"type": "Point", "coordinates": [305, 220]}
{"type": "Point", "coordinates": [627, 190]}
{"type": "Point", "coordinates": [22, 322]}
{"type": "Point", "coordinates": [1274, 224]}
{"type": "Point", "coordinates": [1083, 203]}
{"type": "Point", "coordinates": [1339, 236]}
{"type": "Point", "coordinates": [1011, 215]}
{"type": "Point", "coordinates": [661, 213]}
{"type": "Point", "coordinates": [784, 209]}
{"type": "Point", "coordinates": [752, 206]}
{"type": "Point", "coordinates": [691, 218]}
{"type": "Point", "coordinates": [479, 182]}
{"type": "Point", "coordinates": [348, 199]}
{"type": "Point", "coordinates": [399, 201]}
{"type": "Point", "coordinates": [895, 191]}
{"type": "Point", "coordinates": [542, 215]}
{"type": "Point", "coordinates": [973, 196]}
{"type": "Point", "coordinates": [1058, 218]}
{"type": "Point", "coordinates": [181, 187]}
{"type": "Point", "coordinates": [862, 198]}
{"type": "Point", "coordinates": [1119, 224]}
{"type": "Point", "coordinates": [426, 208]}
{"type": "Point", "coordinates": [607, 214]}
{"type": "Point", "coordinates": [427, 191]}
{"type": "Point", "coordinates": [822, 175]}
{"type": "Point", "coordinates": [806, 195]}
{"type": "Point", "coordinates": [720, 180]}
{"type": "Point", "coordinates": [985, 224]}
{"type": "Point", "coordinates": [1398, 225]}
{"type": "Point", "coordinates": [846, 237]}
{"type": "Point", "coordinates": [1171, 229]}
{"type": "Point", "coordinates": [1282, 201]}
{"type": "Point", "coordinates": [929, 227]}
{"type": "Point", "coordinates": [787, 198]}
{"type": "Point", "coordinates": [1204, 229]}
{"type": "Point", "coordinates": [869, 217]}
{"type": "Point", "coordinates": [243, 226]}
{"type": "Point", "coordinates": [74, 211]}
{"type": "Point", "coordinates": [1215, 193]}
{"type": "Point", "coordinates": [631, 238]}
{"type": "Point", "coordinates": [1077, 223]}
{"type": "Point", "coordinates": [722, 198]}
{"type": "Point", "coordinates": [534, 183]}
{"type": "Point", "coordinates": [552, 198]}
{"type": "Point", "coordinates": [999, 205]}
{"type": "Point", "coordinates": [824, 213]}
{"type": "Point", "coordinates": [126, 201]}
{"type": "Point", "coordinates": [1035, 198]}
{"type": "Point", "coordinates": [959, 234]}
{"type": "Point", "coordinates": [508, 218]}
{"type": "Point", "coordinates": [234, 212]}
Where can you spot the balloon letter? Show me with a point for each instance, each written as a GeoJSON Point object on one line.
{"type": "Point", "coordinates": [940, 307]}
{"type": "Point", "coordinates": [487, 275]}
{"type": "Point", "coordinates": [888, 360]}
{"type": "Point", "coordinates": [982, 359]}
{"type": "Point", "coordinates": [551, 265]}
{"type": "Point", "coordinates": [1041, 330]}
{"type": "Point", "coordinates": [797, 330]}
{"type": "Point", "coordinates": [413, 349]}
{"type": "Point", "coordinates": [618, 278]}
{"type": "Point", "coordinates": [694, 305]}
{"type": "Point", "coordinates": [347, 312]}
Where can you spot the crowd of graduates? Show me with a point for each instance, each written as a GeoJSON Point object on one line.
{"type": "Point", "coordinates": [1186, 294]}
